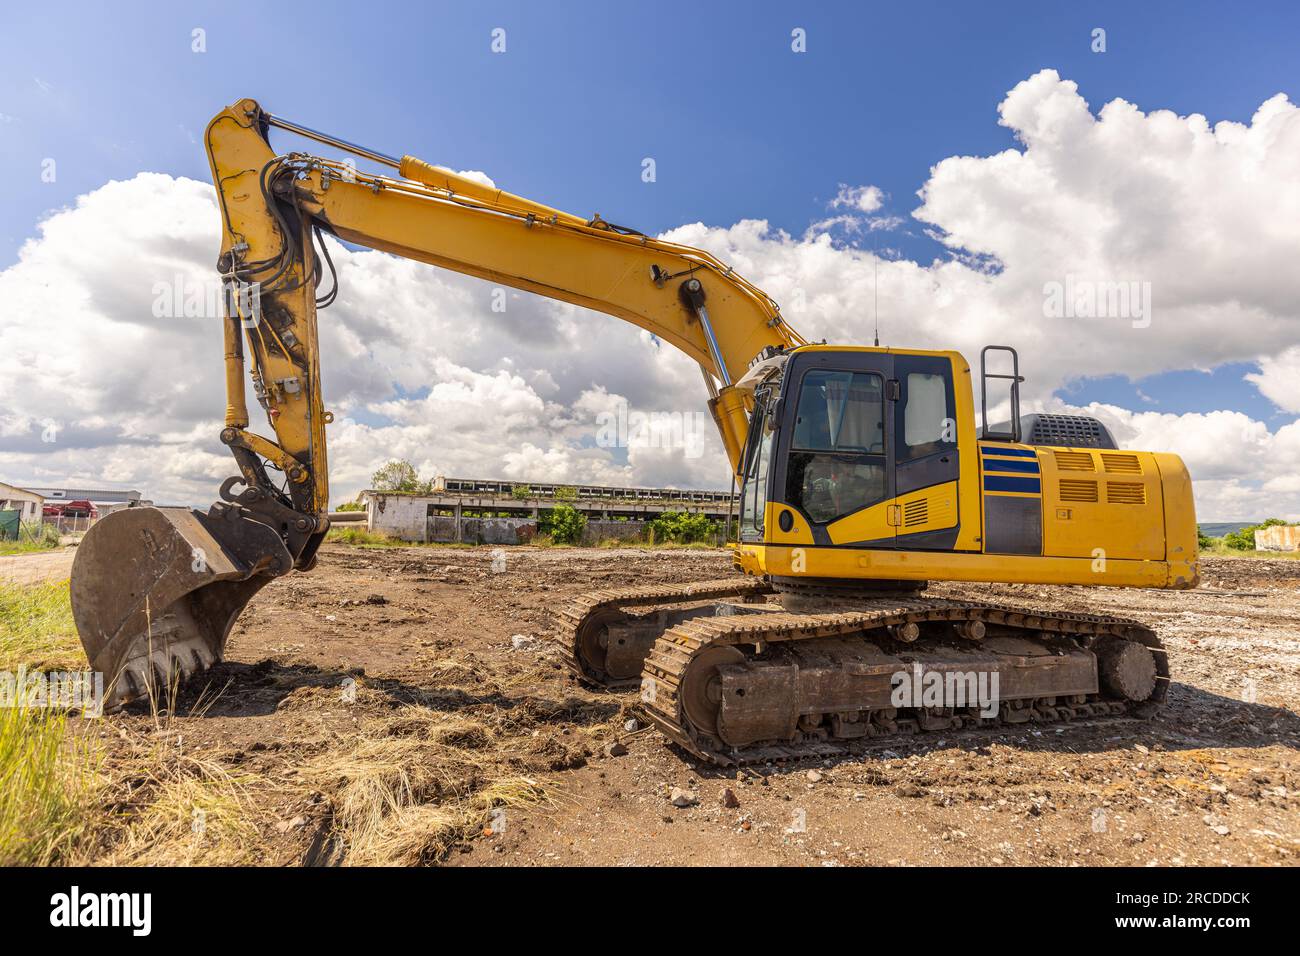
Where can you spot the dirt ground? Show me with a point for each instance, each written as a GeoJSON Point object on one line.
{"type": "Point", "coordinates": [377, 642]}
{"type": "Point", "coordinates": [37, 566]}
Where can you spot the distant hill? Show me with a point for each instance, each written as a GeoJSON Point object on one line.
{"type": "Point", "coordinates": [1217, 529]}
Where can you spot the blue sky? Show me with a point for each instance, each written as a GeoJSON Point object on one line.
{"type": "Point", "coordinates": [738, 125]}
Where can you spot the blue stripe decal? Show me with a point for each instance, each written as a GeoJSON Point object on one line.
{"type": "Point", "coordinates": [1008, 483]}
{"type": "Point", "coordinates": [1014, 452]}
{"type": "Point", "coordinates": [993, 464]}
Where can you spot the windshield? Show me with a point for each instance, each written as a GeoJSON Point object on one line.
{"type": "Point", "coordinates": [837, 455]}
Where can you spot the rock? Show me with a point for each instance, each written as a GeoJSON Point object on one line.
{"type": "Point", "coordinates": [814, 776]}
{"type": "Point", "coordinates": [615, 749]}
{"type": "Point", "coordinates": [729, 799]}
{"type": "Point", "coordinates": [631, 725]}
{"type": "Point", "coordinates": [683, 798]}
{"type": "Point", "coordinates": [521, 642]}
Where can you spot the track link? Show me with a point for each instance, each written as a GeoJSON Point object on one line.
{"type": "Point", "coordinates": [581, 621]}
{"type": "Point", "coordinates": [682, 647]}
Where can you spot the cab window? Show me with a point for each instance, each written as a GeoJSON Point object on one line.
{"type": "Point", "coordinates": [837, 452]}
{"type": "Point", "coordinates": [926, 423]}
{"type": "Point", "coordinates": [753, 499]}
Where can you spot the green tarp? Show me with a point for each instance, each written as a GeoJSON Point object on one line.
{"type": "Point", "coordinates": [9, 524]}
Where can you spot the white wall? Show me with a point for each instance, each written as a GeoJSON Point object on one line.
{"type": "Point", "coordinates": [402, 516]}
{"type": "Point", "coordinates": [28, 502]}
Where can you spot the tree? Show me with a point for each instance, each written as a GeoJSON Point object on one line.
{"type": "Point", "coordinates": [396, 475]}
{"type": "Point", "coordinates": [682, 527]}
{"type": "Point", "coordinates": [564, 524]}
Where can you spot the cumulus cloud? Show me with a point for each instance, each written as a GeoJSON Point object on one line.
{"type": "Point", "coordinates": [418, 365]}
{"type": "Point", "coordinates": [858, 198]}
{"type": "Point", "coordinates": [114, 372]}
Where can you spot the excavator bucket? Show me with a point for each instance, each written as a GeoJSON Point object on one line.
{"type": "Point", "coordinates": [155, 592]}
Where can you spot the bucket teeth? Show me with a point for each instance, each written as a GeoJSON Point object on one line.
{"type": "Point", "coordinates": [158, 675]}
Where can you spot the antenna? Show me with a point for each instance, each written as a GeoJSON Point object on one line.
{"type": "Point", "coordinates": [875, 290]}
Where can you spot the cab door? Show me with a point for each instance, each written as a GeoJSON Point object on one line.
{"type": "Point", "coordinates": [834, 467]}
{"type": "Point", "coordinates": [755, 488]}
{"type": "Point", "coordinates": [925, 453]}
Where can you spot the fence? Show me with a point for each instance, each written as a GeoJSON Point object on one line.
{"type": "Point", "coordinates": [70, 525]}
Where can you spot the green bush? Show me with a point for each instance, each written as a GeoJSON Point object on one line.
{"type": "Point", "coordinates": [563, 524]}
{"type": "Point", "coordinates": [521, 492]}
{"type": "Point", "coordinates": [32, 536]}
{"type": "Point", "coordinates": [351, 506]}
{"type": "Point", "coordinates": [566, 493]}
{"type": "Point", "coordinates": [682, 528]}
{"type": "Point", "coordinates": [1244, 540]}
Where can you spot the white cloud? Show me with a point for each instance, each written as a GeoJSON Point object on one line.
{"type": "Point", "coordinates": [858, 198]}
{"type": "Point", "coordinates": [1279, 378]}
{"type": "Point", "coordinates": [478, 176]}
{"type": "Point", "coordinates": [417, 365]}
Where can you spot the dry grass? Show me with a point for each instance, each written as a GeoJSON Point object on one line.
{"type": "Point", "coordinates": [165, 807]}
{"type": "Point", "coordinates": [62, 801]}
{"type": "Point", "coordinates": [404, 788]}
{"type": "Point", "coordinates": [413, 785]}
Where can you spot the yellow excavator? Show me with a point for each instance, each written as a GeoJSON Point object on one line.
{"type": "Point", "coordinates": [862, 471]}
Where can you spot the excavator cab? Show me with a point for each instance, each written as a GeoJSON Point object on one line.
{"type": "Point", "coordinates": [841, 435]}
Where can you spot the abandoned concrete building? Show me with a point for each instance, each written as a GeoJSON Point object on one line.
{"type": "Point", "coordinates": [476, 511]}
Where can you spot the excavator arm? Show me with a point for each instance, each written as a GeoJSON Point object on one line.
{"type": "Point", "coordinates": [275, 209]}
{"type": "Point", "coordinates": [166, 609]}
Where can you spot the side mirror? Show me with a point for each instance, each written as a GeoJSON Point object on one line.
{"type": "Point", "coordinates": [773, 417]}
